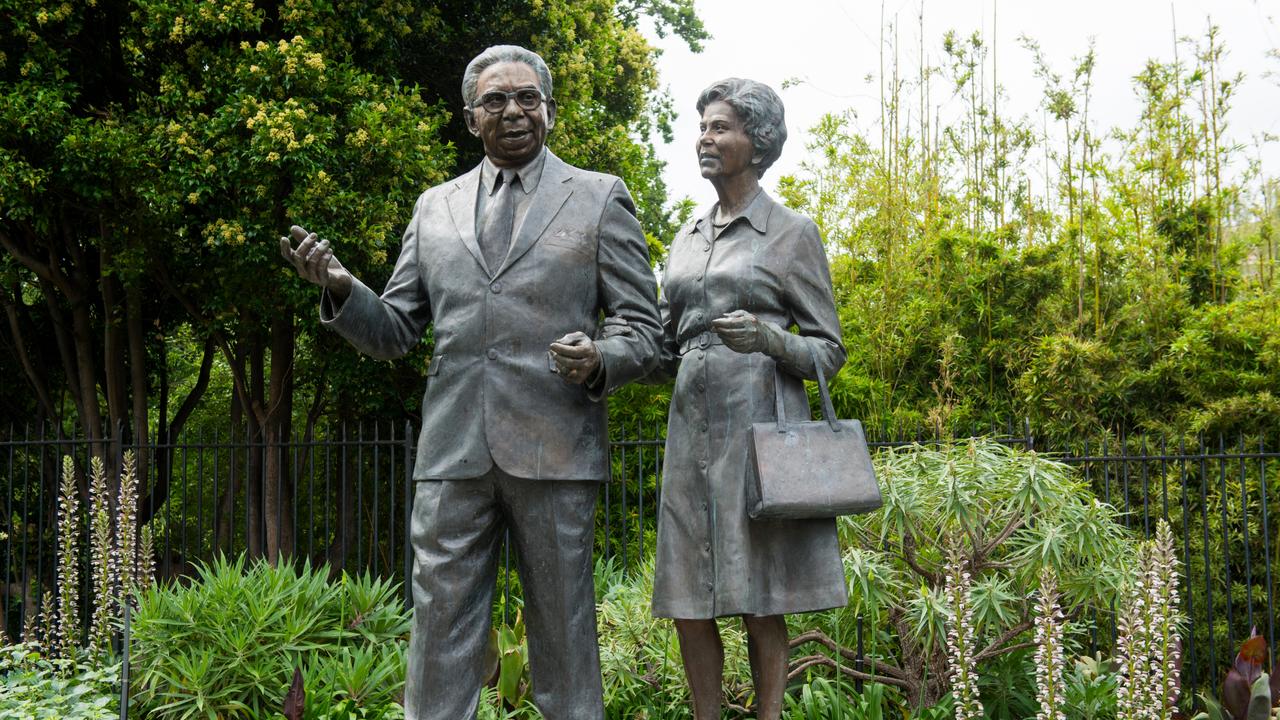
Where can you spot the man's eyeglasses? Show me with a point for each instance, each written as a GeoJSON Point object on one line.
{"type": "Point", "coordinates": [495, 101]}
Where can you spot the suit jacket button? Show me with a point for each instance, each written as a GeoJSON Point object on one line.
{"type": "Point", "coordinates": [496, 287]}
{"type": "Point", "coordinates": [493, 354]}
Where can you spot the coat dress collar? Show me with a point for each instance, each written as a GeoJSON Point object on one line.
{"type": "Point", "coordinates": [755, 214]}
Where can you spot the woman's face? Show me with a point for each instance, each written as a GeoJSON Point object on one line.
{"type": "Point", "coordinates": [724, 149]}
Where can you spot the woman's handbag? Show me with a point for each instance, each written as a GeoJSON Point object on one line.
{"type": "Point", "coordinates": [810, 469]}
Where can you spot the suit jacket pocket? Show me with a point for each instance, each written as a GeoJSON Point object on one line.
{"type": "Point", "coordinates": [574, 241]}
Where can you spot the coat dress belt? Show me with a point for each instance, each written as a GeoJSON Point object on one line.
{"type": "Point", "coordinates": [701, 341]}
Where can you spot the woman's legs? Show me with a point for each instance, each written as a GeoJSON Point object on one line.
{"type": "Point", "coordinates": [703, 656]}
{"type": "Point", "coordinates": [767, 649]}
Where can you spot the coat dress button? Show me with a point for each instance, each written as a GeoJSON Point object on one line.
{"type": "Point", "coordinates": [493, 354]}
{"type": "Point", "coordinates": [496, 287]}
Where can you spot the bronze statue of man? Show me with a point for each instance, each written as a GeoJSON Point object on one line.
{"type": "Point", "coordinates": [513, 264]}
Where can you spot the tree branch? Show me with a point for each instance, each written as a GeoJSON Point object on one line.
{"type": "Point", "coordinates": [70, 366]}
{"type": "Point", "coordinates": [1009, 529]}
{"type": "Point", "coordinates": [804, 663]}
{"type": "Point", "coordinates": [193, 397]}
{"type": "Point", "coordinates": [25, 257]}
{"type": "Point", "coordinates": [20, 349]}
{"type": "Point", "coordinates": [909, 556]}
{"type": "Point", "coordinates": [237, 367]}
{"type": "Point", "coordinates": [164, 443]}
{"type": "Point", "coordinates": [994, 649]}
{"type": "Point", "coordinates": [817, 636]}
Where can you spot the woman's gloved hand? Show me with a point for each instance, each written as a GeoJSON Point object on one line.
{"type": "Point", "coordinates": [745, 333]}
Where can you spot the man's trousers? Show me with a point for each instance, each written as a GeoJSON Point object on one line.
{"type": "Point", "coordinates": [456, 531]}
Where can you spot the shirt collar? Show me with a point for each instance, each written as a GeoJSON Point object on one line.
{"type": "Point", "coordinates": [529, 173]}
{"type": "Point", "coordinates": [756, 213]}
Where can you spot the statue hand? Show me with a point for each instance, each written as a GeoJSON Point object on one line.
{"type": "Point", "coordinates": [576, 357]}
{"type": "Point", "coordinates": [314, 261]}
{"type": "Point", "coordinates": [614, 326]}
{"type": "Point", "coordinates": [745, 333]}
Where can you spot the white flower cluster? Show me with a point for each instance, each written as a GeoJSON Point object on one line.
{"type": "Point", "coordinates": [1166, 616]}
{"type": "Point", "coordinates": [44, 635]}
{"type": "Point", "coordinates": [1147, 644]}
{"type": "Point", "coordinates": [146, 561]}
{"type": "Point", "coordinates": [124, 566]}
{"type": "Point", "coordinates": [119, 566]}
{"type": "Point", "coordinates": [100, 555]}
{"type": "Point", "coordinates": [962, 641]}
{"type": "Point", "coordinates": [1050, 665]}
{"type": "Point", "coordinates": [67, 630]}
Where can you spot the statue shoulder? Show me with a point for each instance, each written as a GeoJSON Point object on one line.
{"type": "Point", "coordinates": [600, 182]}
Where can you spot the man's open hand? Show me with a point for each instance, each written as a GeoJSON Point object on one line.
{"type": "Point", "coordinates": [314, 261]}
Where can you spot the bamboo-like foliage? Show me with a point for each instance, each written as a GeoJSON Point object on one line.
{"type": "Point", "coordinates": [988, 264]}
{"type": "Point", "coordinates": [67, 632]}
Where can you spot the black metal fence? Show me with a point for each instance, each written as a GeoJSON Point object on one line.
{"type": "Point", "coordinates": [340, 495]}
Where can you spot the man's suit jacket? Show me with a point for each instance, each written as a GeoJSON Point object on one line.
{"type": "Point", "coordinates": [490, 392]}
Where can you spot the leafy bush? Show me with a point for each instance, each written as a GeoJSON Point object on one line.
{"type": "Point", "coordinates": [640, 655]}
{"type": "Point", "coordinates": [32, 686]}
{"type": "Point", "coordinates": [1091, 688]}
{"type": "Point", "coordinates": [227, 645]}
{"type": "Point", "coordinates": [1009, 514]}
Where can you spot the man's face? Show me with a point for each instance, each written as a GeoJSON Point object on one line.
{"type": "Point", "coordinates": [513, 136]}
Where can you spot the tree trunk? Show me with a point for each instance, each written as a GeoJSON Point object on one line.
{"type": "Point", "coordinates": [225, 514]}
{"type": "Point", "coordinates": [113, 342]}
{"type": "Point", "coordinates": [928, 669]}
{"type": "Point", "coordinates": [278, 492]}
{"type": "Point", "coordinates": [140, 388]}
{"type": "Point", "coordinates": [254, 476]}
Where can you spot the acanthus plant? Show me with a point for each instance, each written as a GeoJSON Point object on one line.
{"type": "Point", "coordinates": [1148, 647]}
{"type": "Point", "coordinates": [1050, 662]}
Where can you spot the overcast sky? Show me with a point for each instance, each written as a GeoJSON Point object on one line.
{"type": "Point", "coordinates": [832, 45]}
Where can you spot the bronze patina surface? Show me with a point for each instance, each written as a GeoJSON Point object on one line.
{"type": "Point", "coordinates": [512, 264]}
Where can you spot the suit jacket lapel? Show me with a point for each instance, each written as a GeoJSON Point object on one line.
{"type": "Point", "coordinates": [554, 188]}
{"type": "Point", "coordinates": [462, 207]}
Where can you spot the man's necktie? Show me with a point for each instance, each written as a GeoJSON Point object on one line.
{"type": "Point", "coordinates": [499, 221]}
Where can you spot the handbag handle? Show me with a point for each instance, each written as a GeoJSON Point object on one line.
{"type": "Point", "coordinates": [828, 411]}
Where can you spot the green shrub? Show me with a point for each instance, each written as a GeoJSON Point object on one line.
{"type": "Point", "coordinates": [1009, 514]}
{"type": "Point", "coordinates": [227, 645]}
{"type": "Point", "coordinates": [32, 687]}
